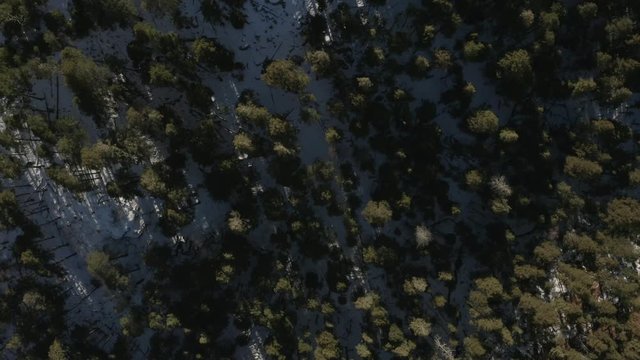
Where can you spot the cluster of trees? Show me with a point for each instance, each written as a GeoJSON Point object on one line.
{"type": "Point", "coordinates": [565, 287]}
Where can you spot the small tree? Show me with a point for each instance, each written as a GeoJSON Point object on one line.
{"type": "Point", "coordinates": [527, 17]}
{"type": "Point", "coordinates": [474, 50]}
{"type": "Point", "coordinates": [87, 80]}
{"type": "Point", "coordinates": [500, 187]}
{"type": "Point", "coordinates": [516, 71]}
{"type": "Point", "coordinates": [474, 348]}
{"type": "Point", "coordinates": [327, 348]}
{"type": "Point", "coordinates": [284, 74]}
{"type": "Point", "coordinates": [583, 86]}
{"type": "Point", "coordinates": [634, 177]}
{"type": "Point", "coordinates": [99, 265]}
{"type": "Point", "coordinates": [422, 236]}
{"type": "Point", "coordinates": [57, 351]}
{"type": "Point", "coordinates": [9, 167]}
{"type": "Point", "coordinates": [443, 59]}
{"type": "Point", "coordinates": [237, 224]}
{"type": "Point", "coordinates": [421, 65]}
{"type": "Point", "coordinates": [483, 122]}
{"type": "Point", "coordinates": [515, 66]}
{"type": "Point", "coordinates": [160, 75]}
{"type": "Point", "coordinates": [377, 212]}
{"type": "Point", "coordinates": [508, 136]}
{"type": "Point", "coordinates": [582, 168]}
{"type": "Point", "coordinates": [65, 178]}
{"type": "Point", "coordinates": [415, 286]}
{"type": "Point", "coordinates": [320, 61]}
{"type": "Point", "coordinates": [588, 10]}
{"type": "Point", "coordinates": [623, 215]}
{"type": "Point", "coordinates": [500, 206]}
{"type": "Point", "coordinates": [619, 28]}
{"type": "Point", "coordinates": [153, 183]}
{"type": "Point", "coordinates": [204, 51]}
{"type": "Point", "coordinates": [243, 143]}
{"type": "Point", "coordinates": [420, 327]}
{"type": "Point", "coordinates": [253, 113]}
{"type": "Point", "coordinates": [99, 155]}
{"type": "Point", "coordinates": [332, 135]}
{"type": "Point", "coordinates": [474, 179]}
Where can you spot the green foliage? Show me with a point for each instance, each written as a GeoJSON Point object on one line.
{"type": "Point", "coordinates": [204, 50]}
{"type": "Point", "coordinates": [473, 347]}
{"type": "Point", "coordinates": [582, 168]}
{"type": "Point", "coordinates": [100, 266]}
{"type": "Point", "coordinates": [10, 168]}
{"type": "Point", "coordinates": [547, 252]}
{"type": "Point", "coordinates": [320, 61]}
{"type": "Point", "coordinates": [443, 59]}
{"type": "Point", "coordinates": [414, 286]}
{"type": "Point", "coordinates": [71, 140]}
{"type": "Point", "coordinates": [500, 206]}
{"type": "Point", "coordinates": [588, 10]}
{"type": "Point", "coordinates": [583, 86]}
{"type": "Point", "coordinates": [364, 84]}
{"type": "Point", "coordinates": [508, 136]}
{"type": "Point", "coordinates": [634, 177]}
{"type": "Point", "coordinates": [483, 122]}
{"type": "Point", "coordinates": [162, 7]}
{"type": "Point", "coordinates": [377, 212]}
{"type": "Point", "coordinates": [161, 75]}
{"type": "Point", "coordinates": [612, 89]}
{"type": "Point", "coordinates": [309, 115]}
{"type": "Point", "coordinates": [132, 324]}
{"type": "Point", "coordinates": [40, 128]}
{"type": "Point", "coordinates": [581, 243]}
{"type": "Point", "coordinates": [423, 236]}
{"type": "Point", "coordinates": [420, 327]}
{"type": "Point", "coordinates": [147, 120]}
{"type": "Point", "coordinates": [603, 126]}
{"type": "Point", "coordinates": [243, 143]}
{"type": "Point", "coordinates": [516, 71]}
{"type": "Point", "coordinates": [145, 32]}
{"type": "Point", "coordinates": [578, 281]}
{"type": "Point", "coordinates": [327, 347]}
{"type": "Point", "coordinates": [253, 113]}
{"type": "Point", "coordinates": [568, 197]}
{"type": "Point", "coordinates": [151, 181]}
{"type": "Point", "coordinates": [87, 80]}
{"type": "Point", "coordinates": [474, 179]}
{"type": "Point", "coordinates": [622, 215]}
{"type": "Point", "coordinates": [284, 74]}
{"type": "Point", "coordinates": [421, 65]}
{"type": "Point", "coordinates": [10, 215]}
{"type": "Point", "coordinates": [474, 50]}
{"type": "Point", "coordinates": [527, 17]}
{"type": "Point", "coordinates": [543, 313]}
{"type": "Point", "coordinates": [99, 155]}
{"type": "Point", "coordinates": [619, 28]}
{"type": "Point", "coordinates": [103, 13]}
{"type": "Point", "coordinates": [280, 129]}
{"type": "Point", "coordinates": [65, 178]}
{"type": "Point", "coordinates": [333, 136]}
{"type": "Point", "coordinates": [57, 351]}
{"type": "Point", "coordinates": [237, 224]}
{"type": "Point", "coordinates": [500, 187]}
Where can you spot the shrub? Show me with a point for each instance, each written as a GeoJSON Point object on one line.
{"type": "Point", "coordinates": [284, 74]}
{"type": "Point", "coordinates": [483, 122]}
{"type": "Point", "coordinates": [377, 212]}
{"type": "Point", "coordinates": [582, 168]}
